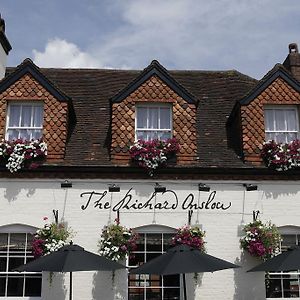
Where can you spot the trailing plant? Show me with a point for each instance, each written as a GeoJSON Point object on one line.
{"type": "Point", "coordinates": [117, 241]}
{"type": "Point", "coordinates": [261, 240]}
{"type": "Point", "coordinates": [192, 236]}
{"type": "Point", "coordinates": [50, 238]}
{"type": "Point", "coordinates": [281, 156]}
{"type": "Point", "coordinates": [20, 153]}
{"type": "Point", "coordinates": [152, 154]}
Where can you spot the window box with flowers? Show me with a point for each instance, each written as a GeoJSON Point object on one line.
{"type": "Point", "coordinates": [261, 240]}
{"type": "Point", "coordinates": [192, 236]}
{"type": "Point", "coordinates": [117, 241]}
{"type": "Point", "coordinates": [20, 154]}
{"type": "Point", "coordinates": [281, 156]}
{"type": "Point", "coordinates": [151, 155]}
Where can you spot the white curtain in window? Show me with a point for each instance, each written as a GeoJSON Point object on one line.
{"type": "Point", "coordinates": [14, 115]}
{"type": "Point", "coordinates": [269, 120]}
{"type": "Point", "coordinates": [165, 117]}
{"type": "Point", "coordinates": [38, 116]}
{"type": "Point", "coordinates": [153, 117]}
{"type": "Point", "coordinates": [141, 117]}
{"type": "Point", "coordinates": [26, 116]}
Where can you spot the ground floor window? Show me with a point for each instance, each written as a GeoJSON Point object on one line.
{"type": "Point", "coordinates": [285, 284]}
{"type": "Point", "coordinates": [15, 250]}
{"type": "Point", "coordinates": [152, 287]}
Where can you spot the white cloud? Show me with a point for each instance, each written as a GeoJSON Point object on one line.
{"type": "Point", "coordinates": [250, 36]}
{"type": "Point", "coordinates": [60, 53]}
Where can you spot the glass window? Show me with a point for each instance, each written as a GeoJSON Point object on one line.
{"type": "Point", "coordinates": [284, 284]}
{"type": "Point", "coordinates": [153, 122]}
{"type": "Point", "coordinates": [24, 121]}
{"type": "Point", "coordinates": [281, 124]}
{"type": "Point", "coordinates": [152, 287]}
{"type": "Point", "coordinates": [15, 250]}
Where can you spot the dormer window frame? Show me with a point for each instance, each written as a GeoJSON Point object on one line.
{"type": "Point", "coordinates": [148, 106]}
{"type": "Point", "coordinates": [287, 131]}
{"type": "Point", "coordinates": [32, 128]}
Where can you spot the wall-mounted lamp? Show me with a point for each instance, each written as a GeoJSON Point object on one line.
{"type": "Point", "coordinates": [113, 188]}
{"type": "Point", "coordinates": [202, 187]}
{"type": "Point", "coordinates": [159, 188]}
{"type": "Point", "coordinates": [66, 184]}
{"type": "Point", "coordinates": [250, 187]}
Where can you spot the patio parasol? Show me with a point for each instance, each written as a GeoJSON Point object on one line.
{"type": "Point", "coordinates": [70, 258]}
{"type": "Point", "coordinates": [286, 261]}
{"type": "Point", "coordinates": [183, 259]}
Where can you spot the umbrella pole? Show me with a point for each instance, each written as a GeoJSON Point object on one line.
{"type": "Point", "coordinates": [70, 292]}
{"type": "Point", "coordinates": [184, 286]}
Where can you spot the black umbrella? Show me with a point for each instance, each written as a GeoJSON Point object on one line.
{"type": "Point", "coordinates": [180, 260]}
{"type": "Point", "coordinates": [286, 261]}
{"type": "Point", "coordinates": [70, 258]}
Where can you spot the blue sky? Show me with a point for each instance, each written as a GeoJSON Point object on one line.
{"type": "Point", "coordinates": [249, 36]}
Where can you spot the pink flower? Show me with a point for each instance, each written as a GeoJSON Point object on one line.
{"type": "Point", "coordinates": [45, 218]}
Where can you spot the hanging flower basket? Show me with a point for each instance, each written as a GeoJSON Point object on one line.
{"type": "Point", "coordinates": [280, 156]}
{"type": "Point", "coordinates": [153, 154]}
{"type": "Point", "coordinates": [192, 236]}
{"type": "Point", "coordinates": [116, 241]}
{"type": "Point", "coordinates": [20, 154]}
{"type": "Point", "coordinates": [50, 238]}
{"type": "Point", "coordinates": [261, 240]}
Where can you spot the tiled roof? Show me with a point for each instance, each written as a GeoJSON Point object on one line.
{"type": "Point", "coordinates": [90, 91]}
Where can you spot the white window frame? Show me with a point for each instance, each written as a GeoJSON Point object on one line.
{"type": "Point", "coordinates": [294, 231]}
{"type": "Point", "coordinates": [154, 105]}
{"type": "Point", "coordinates": [282, 107]}
{"type": "Point", "coordinates": [153, 229]}
{"type": "Point", "coordinates": [22, 104]}
{"type": "Point", "coordinates": [24, 229]}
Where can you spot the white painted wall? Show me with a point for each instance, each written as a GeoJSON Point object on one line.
{"type": "Point", "coordinates": [27, 202]}
{"type": "Point", "coordinates": [3, 61]}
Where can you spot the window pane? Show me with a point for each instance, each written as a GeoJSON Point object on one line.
{"type": "Point", "coordinates": [26, 116]}
{"type": "Point", "coordinates": [165, 117]}
{"type": "Point", "coordinates": [291, 120]}
{"type": "Point", "coordinates": [153, 117]}
{"type": "Point", "coordinates": [153, 294]}
{"type": "Point", "coordinates": [15, 262]}
{"type": "Point", "coordinates": [164, 135]}
{"type": "Point", "coordinates": [17, 242]}
{"type": "Point", "coordinates": [273, 289]}
{"type": "Point", "coordinates": [154, 242]}
{"type": "Point", "coordinates": [280, 137]}
{"type": "Point", "coordinates": [280, 119]}
{"type": "Point", "coordinates": [2, 285]}
{"type": "Point", "coordinates": [24, 134]}
{"type": "Point", "coordinates": [171, 280]}
{"type": "Point", "coordinates": [288, 240]}
{"type": "Point", "coordinates": [36, 134]}
{"type": "Point", "coordinates": [15, 285]}
{"type": "Point", "coordinates": [33, 285]}
{"type": "Point", "coordinates": [141, 117]}
{"type": "Point", "coordinates": [141, 135]}
{"type": "Point", "coordinates": [3, 261]}
{"type": "Point", "coordinates": [38, 116]}
{"type": "Point", "coordinates": [12, 134]}
{"type": "Point", "coordinates": [14, 115]}
{"type": "Point", "coordinates": [171, 294]}
{"type": "Point", "coordinates": [3, 242]}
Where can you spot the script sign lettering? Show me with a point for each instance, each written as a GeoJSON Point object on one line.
{"type": "Point", "coordinates": [157, 201]}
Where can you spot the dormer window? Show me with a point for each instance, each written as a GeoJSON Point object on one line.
{"type": "Point", "coordinates": [24, 121]}
{"type": "Point", "coordinates": [153, 121]}
{"type": "Point", "coordinates": [281, 123]}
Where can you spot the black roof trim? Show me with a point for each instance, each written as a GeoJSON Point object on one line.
{"type": "Point", "coordinates": [155, 68]}
{"type": "Point", "coordinates": [265, 82]}
{"type": "Point", "coordinates": [4, 42]}
{"type": "Point", "coordinates": [184, 173]}
{"type": "Point", "coordinates": [27, 66]}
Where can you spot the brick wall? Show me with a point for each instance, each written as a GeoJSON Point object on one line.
{"type": "Point", "coordinates": [253, 125]}
{"type": "Point", "coordinates": [55, 113]}
{"type": "Point", "coordinates": [123, 121]}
